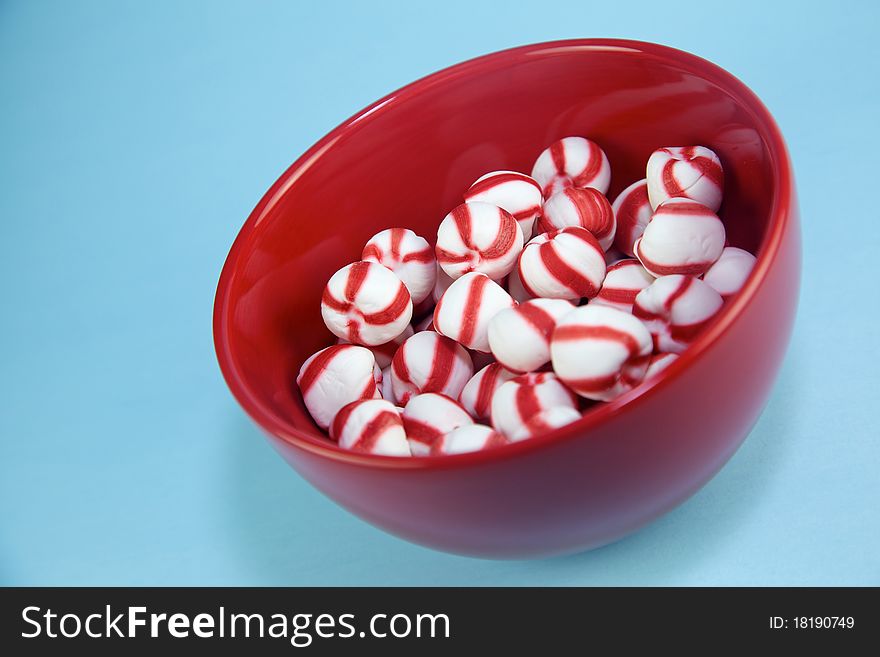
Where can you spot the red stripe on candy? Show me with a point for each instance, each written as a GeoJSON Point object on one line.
{"type": "Point", "coordinates": [679, 292]}
{"type": "Point", "coordinates": [618, 295]}
{"type": "Point", "coordinates": [357, 276]}
{"type": "Point", "coordinates": [319, 363]}
{"type": "Point", "coordinates": [522, 280]}
{"type": "Point", "coordinates": [575, 332]}
{"type": "Point", "coordinates": [495, 439]}
{"type": "Point", "coordinates": [692, 269]}
{"type": "Point", "coordinates": [496, 180]}
{"type": "Point", "coordinates": [341, 418]}
{"type": "Point", "coordinates": [371, 251]}
{"type": "Point", "coordinates": [396, 238]}
{"type": "Point", "coordinates": [593, 384]}
{"type": "Point", "coordinates": [472, 304]}
{"type": "Point", "coordinates": [557, 152]}
{"type": "Point", "coordinates": [486, 389]}
{"type": "Point", "coordinates": [424, 255]}
{"type": "Point", "coordinates": [685, 333]}
{"type": "Point", "coordinates": [594, 165]}
{"type": "Point", "coordinates": [392, 311]}
{"type": "Point", "coordinates": [538, 318]}
{"type": "Point", "coordinates": [526, 400]}
{"type": "Point", "coordinates": [677, 208]}
{"type": "Point", "coordinates": [332, 302]}
{"type": "Point", "coordinates": [420, 431]}
{"type": "Point", "coordinates": [565, 273]}
{"type": "Point", "coordinates": [451, 258]}
{"type": "Point", "coordinates": [442, 364]}
{"type": "Point", "coordinates": [399, 366]}
{"type": "Point", "coordinates": [369, 391]}
{"type": "Point", "coordinates": [709, 169]}
{"type": "Point", "coordinates": [374, 429]}
{"type": "Point", "coordinates": [503, 243]}
{"type": "Point", "coordinates": [669, 181]}
{"type": "Point", "coordinates": [461, 215]}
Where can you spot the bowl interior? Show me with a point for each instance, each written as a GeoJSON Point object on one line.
{"type": "Point", "coordinates": [407, 160]}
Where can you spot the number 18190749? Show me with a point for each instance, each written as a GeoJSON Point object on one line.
{"type": "Point", "coordinates": [813, 622]}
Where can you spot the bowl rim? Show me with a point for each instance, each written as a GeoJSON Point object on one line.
{"type": "Point", "coordinates": [780, 217]}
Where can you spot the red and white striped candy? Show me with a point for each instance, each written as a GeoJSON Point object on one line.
{"type": "Point", "coordinates": [476, 397]}
{"type": "Point", "coordinates": [385, 352]}
{"type": "Point", "coordinates": [517, 193]}
{"type": "Point", "coordinates": [632, 212]}
{"type": "Point", "coordinates": [373, 426]}
{"type": "Point", "coordinates": [730, 271]}
{"type": "Point", "coordinates": [478, 237]}
{"type": "Point", "coordinates": [623, 281]}
{"type": "Point", "coordinates": [429, 417]}
{"type": "Point", "coordinates": [600, 352]}
{"type": "Point", "coordinates": [409, 256]}
{"type": "Point", "coordinates": [520, 337]}
{"type": "Point", "coordinates": [683, 237]}
{"type": "Point", "coordinates": [564, 264]}
{"type": "Point", "coordinates": [366, 304]}
{"type": "Point", "coordinates": [335, 376]}
{"type": "Point", "coordinates": [547, 421]}
{"type": "Point", "coordinates": [429, 362]}
{"type": "Point", "coordinates": [469, 438]}
{"type": "Point", "coordinates": [587, 208]}
{"type": "Point", "coordinates": [467, 307]}
{"type": "Point", "coordinates": [520, 399]}
{"type": "Point", "coordinates": [572, 162]}
{"type": "Point", "coordinates": [658, 363]}
{"type": "Point", "coordinates": [515, 287]}
{"type": "Point", "coordinates": [675, 309]}
{"type": "Point", "coordinates": [685, 171]}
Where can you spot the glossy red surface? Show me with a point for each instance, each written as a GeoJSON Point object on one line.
{"type": "Point", "coordinates": [405, 161]}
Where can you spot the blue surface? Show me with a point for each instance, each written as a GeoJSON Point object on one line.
{"type": "Point", "coordinates": [136, 137]}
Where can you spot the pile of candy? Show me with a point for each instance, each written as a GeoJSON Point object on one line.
{"type": "Point", "coordinates": [560, 298]}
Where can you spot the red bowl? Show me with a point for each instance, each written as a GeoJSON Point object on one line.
{"type": "Point", "coordinates": [405, 161]}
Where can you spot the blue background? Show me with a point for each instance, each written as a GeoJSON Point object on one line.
{"type": "Point", "coordinates": [136, 137]}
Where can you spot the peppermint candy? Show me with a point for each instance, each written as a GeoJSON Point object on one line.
{"type": "Point", "coordinates": [683, 237]}
{"type": "Point", "coordinates": [587, 208]}
{"type": "Point", "coordinates": [600, 352]}
{"type": "Point", "coordinates": [517, 193]}
{"type": "Point", "coordinates": [675, 309]}
{"type": "Point", "coordinates": [430, 416]}
{"type": "Point", "coordinates": [468, 438]}
{"type": "Point", "coordinates": [519, 337]}
{"type": "Point", "coordinates": [372, 426]}
{"type": "Point", "coordinates": [478, 237]}
{"type": "Point", "coordinates": [467, 307]}
{"type": "Point", "coordinates": [429, 362]}
{"type": "Point", "coordinates": [336, 376]}
{"type": "Point", "coordinates": [564, 264]}
{"type": "Point", "coordinates": [409, 256]}
{"type": "Point", "coordinates": [366, 304]}
{"type": "Point", "coordinates": [476, 396]}
{"type": "Point", "coordinates": [572, 162]}
{"type": "Point", "coordinates": [729, 273]}
{"type": "Point", "coordinates": [632, 212]}
{"type": "Point", "coordinates": [623, 281]}
{"type": "Point", "coordinates": [520, 399]}
{"type": "Point", "coordinates": [692, 172]}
